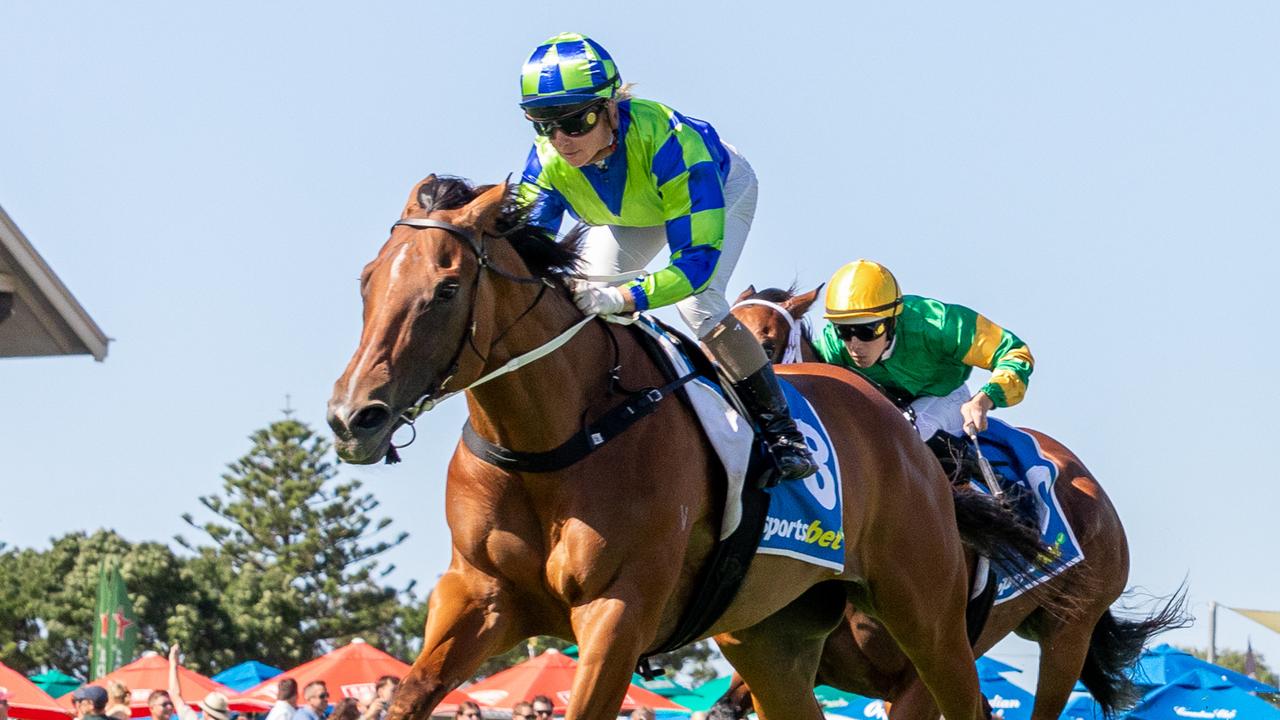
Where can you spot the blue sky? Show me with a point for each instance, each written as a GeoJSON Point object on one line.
{"type": "Point", "coordinates": [1101, 178]}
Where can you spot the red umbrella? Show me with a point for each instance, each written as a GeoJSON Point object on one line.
{"type": "Point", "coordinates": [151, 672]}
{"type": "Point", "coordinates": [550, 674]}
{"type": "Point", "coordinates": [26, 700]}
{"type": "Point", "coordinates": [350, 671]}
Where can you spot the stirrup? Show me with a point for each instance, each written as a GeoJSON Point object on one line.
{"type": "Point", "coordinates": [800, 461]}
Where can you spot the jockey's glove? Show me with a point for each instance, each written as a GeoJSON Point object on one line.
{"type": "Point", "coordinates": [598, 300]}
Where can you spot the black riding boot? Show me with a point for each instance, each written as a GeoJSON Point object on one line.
{"type": "Point", "coordinates": [763, 398]}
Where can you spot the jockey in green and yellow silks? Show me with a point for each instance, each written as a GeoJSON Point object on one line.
{"type": "Point", "coordinates": [644, 177]}
{"type": "Point", "coordinates": [920, 350]}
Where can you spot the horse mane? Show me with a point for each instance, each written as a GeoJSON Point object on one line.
{"type": "Point", "coordinates": [536, 246]}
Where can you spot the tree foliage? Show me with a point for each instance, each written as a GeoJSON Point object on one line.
{"type": "Point", "coordinates": [294, 551]}
{"type": "Point", "coordinates": [289, 569]}
{"type": "Point", "coordinates": [59, 592]}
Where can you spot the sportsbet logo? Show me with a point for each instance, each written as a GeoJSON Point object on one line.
{"type": "Point", "coordinates": [811, 533]}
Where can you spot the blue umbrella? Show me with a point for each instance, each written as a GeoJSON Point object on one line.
{"type": "Point", "coordinates": [1163, 663]}
{"type": "Point", "coordinates": [1203, 694]}
{"type": "Point", "coordinates": [1082, 708]}
{"type": "Point", "coordinates": [987, 664]}
{"type": "Point", "coordinates": [1008, 700]}
{"type": "Point", "coordinates": [245, 675]}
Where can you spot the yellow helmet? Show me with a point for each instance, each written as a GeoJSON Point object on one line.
{"type": "Point", "coordinates": [863, 291]}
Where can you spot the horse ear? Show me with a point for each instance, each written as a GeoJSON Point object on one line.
{"type": "Point", "coordinates": [751, 290]}
{"type": "Point", "coordinates": [417, 198]}
{"type": "Point", "coordinates": [482, 213]}
{"type": "Point", "coordinates": [800, 304]}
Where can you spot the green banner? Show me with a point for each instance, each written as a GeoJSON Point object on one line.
{"type": "Point", "coordinates": [115, 632]}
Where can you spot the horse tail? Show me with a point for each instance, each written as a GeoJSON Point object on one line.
{"type": "Point", "coordinates": [989, 528]}
{"type": "Point", "coordinates": [1115, 647]}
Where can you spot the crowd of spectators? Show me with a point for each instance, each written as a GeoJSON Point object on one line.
{"type": "Point", "coordinates": [113, 703]}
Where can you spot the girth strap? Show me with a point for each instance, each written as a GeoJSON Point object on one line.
{"type": "Point", "coordinates": [609, 426]}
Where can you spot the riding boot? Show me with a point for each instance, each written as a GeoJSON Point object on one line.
{"type": "Point", "coordinates": [744, 364]}
{"type": "Point", "coordinates": [762, 396]}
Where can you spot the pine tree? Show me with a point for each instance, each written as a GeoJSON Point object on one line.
{"type": "Point", "coordinates": [295, 550]}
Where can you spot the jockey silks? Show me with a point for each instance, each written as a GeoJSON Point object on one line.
{"type": "Point", "coordinates": [935, 348]}
{"type": "Point", "coordinates": [669, 170]}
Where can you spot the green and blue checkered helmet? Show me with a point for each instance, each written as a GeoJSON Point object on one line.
{"type": "Point", "coordinates": [568, 69]}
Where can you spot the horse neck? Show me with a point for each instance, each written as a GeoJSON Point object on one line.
{"type": "Point", "coordinates": [808, 351]}
{"type": "Point", "coordinates": [539, 405]}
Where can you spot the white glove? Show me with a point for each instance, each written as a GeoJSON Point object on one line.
{"type": "Point", "coordinates": [598, 300]}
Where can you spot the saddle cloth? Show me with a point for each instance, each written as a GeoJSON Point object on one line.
{"type": "Point", "coordinates": [805, 519]}
{"type": "Point", "coordinates": [1016, 457]}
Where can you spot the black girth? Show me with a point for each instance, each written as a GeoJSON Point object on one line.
{"type": "Point", "coordinates": [613, 423]}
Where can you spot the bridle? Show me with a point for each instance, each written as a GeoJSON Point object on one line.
{"type": "Point", "coordinates": [792, 352]}
{"type": "Point", "coordinates": [432, 396]}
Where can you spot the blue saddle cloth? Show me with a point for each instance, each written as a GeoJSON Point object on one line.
{"type": "Point", "coordinates": [1015, 456]}
{"type": "Point", "coordinates": [806, 517]}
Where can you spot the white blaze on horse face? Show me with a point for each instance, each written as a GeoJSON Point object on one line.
{"type": "Point", "coordinates": [395, 267]}
{"type": "Point", "coordinates": [366, 356]}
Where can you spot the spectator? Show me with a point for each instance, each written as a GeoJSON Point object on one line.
{"type": "Point", "coordinates": [543, 707]}
{"type": "Point", "coordinates": [118, 697]}
{"type": "Point", "coordinates": [384, 692]}
{"type": "Point", "coordinates": [346, 709]}
{"type": "Point", "coordinates": [468, 710]}
{"type": "Point", "coordinates": [214, 704]}
{"type": "Point", "coordinates": [523, 711]}
{"type": "Point", "coordinates": [160, 705]}
{"type": "Point", "coordinates": [4, 704]}
{"type": "Point", "coordinates": [642, 713]}
{"type": "Point", "coordinates": [315, 702]}
{"type": "Point", "coordinates": [90, 701]}
{"type": "Point", "coordinates": [286, 700]}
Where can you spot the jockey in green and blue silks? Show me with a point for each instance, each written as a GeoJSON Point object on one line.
{"type": "Point", "coordinates": [644, 176]}
{"type": "Point", "coordinates": [921, 350]}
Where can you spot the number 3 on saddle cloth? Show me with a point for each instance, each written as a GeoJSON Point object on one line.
{"type": "Point", "coordinates": [1027, 479]}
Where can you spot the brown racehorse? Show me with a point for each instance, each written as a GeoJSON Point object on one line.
{"type": "Point", "coordinates": [1094, 646]}
{"type": "Point", "coordinates": [606, 551]}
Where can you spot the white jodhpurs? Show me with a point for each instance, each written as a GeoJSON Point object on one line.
{"type": "Point", "coordinates": [941, 413]}
{"type": "Point", "coordinates": [614, 249]}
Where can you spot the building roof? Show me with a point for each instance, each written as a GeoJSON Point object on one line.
{"type": "Point", "coordinates": [46, 319]}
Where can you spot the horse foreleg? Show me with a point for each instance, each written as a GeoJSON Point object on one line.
{"type": "Point", "coordinates": [610, 640]}
{"type": "Point", "coordinates": [465, 626]}
{"type": "Point", "coordinates": [779, 656]}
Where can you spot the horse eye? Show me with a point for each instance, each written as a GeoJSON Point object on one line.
{"type": "Point", "coordinates": [447, 290]}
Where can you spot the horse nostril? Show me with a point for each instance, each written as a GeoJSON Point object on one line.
{"type": "Point", "coordinates": [371, 418]}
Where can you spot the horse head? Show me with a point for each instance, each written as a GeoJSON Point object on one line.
{"type": "Point", "coordinates": [770, 314]}
{"type": "Point", "coordinates": [423, 297]}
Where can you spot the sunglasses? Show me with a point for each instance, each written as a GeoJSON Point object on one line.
{"type": "Point", "coordinates": [863, 332]}
{"type": "Point", "coordinates": [574, 124]}
{"type": "Point", "coordinates": [526, 716]}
